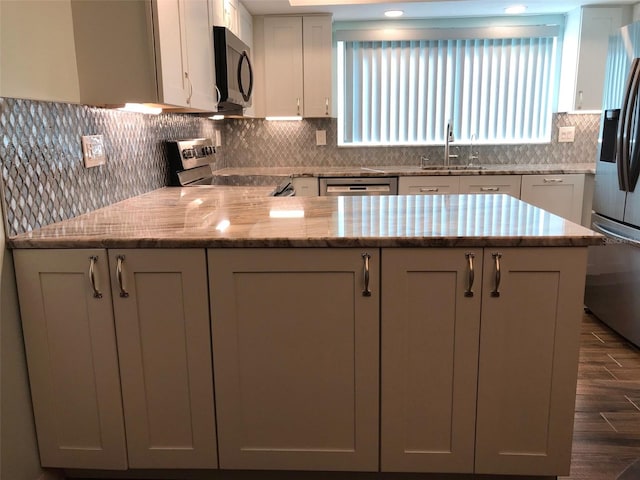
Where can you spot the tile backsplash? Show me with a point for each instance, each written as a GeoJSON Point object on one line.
{"type": "Point", "coordinates": [44, 179]}
{"type": "Point", "coordinates": [43, 175]}
{"type": "Point", "coordinates": [256, 142]}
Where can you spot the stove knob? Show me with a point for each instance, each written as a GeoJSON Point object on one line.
{"type": "Point", "coordinates": [188, 153]}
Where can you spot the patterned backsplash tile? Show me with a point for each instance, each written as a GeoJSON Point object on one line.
{"type": "Point", "coordinates": [256, 142]}
{"type": "Point", "coordinates": [43, 173]}
{"type": "Point", "coordinates": [44, 179]}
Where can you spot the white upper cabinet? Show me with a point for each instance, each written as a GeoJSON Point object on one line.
{"type": "Point", "coordinates": [316, 43]}
{"type": "Point", "coordinates": [23, 49]}
{"type": "Point", "coordinates": [294, 63]}
{"type": "Point", "coordinates": [109, 53]}
{"type": "Point", "coordinates": [233, 15]}
{"type": "Point", "coordinates": [283, 66]}
{"type": "Point", "coordinates": [584, 55]}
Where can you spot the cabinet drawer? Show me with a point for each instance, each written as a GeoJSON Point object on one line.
{"type": "Point", "coordinates": [509, 184]}
{"type": "Point", "coordinates": [433, 185]}
{"type": "Point", "coordinates": [559, 194]}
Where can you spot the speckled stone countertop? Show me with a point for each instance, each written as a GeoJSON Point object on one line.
{"type": "Point", "coordinates": [408, 170]}
{"type": "Point", "coordinates": [177, 217]}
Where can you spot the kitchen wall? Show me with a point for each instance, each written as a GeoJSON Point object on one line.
{"type": "Point", "coordinates": [43, 175]}
{"type": "Point", "coordinates": [44, 179]}
{"type": "Point", "coordinates": [250, 143]}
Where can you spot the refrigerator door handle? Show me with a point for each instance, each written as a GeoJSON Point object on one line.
{"type": "Point", "coordinates": [609, 233]}
{"type": "Point", "coordinates": [623, 138]}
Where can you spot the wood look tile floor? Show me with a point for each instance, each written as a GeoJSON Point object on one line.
{"type": "Point", "coordinates": [606, 438]}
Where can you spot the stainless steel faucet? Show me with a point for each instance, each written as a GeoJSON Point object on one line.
{"type": "Point", "coordinates": [448, 137]}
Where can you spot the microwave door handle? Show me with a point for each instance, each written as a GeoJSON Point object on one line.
{"type": "Point", "coordinates": [246, 94]}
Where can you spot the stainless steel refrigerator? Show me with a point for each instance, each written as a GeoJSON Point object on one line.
{"type": "Point", "coordinates": [613, 273]}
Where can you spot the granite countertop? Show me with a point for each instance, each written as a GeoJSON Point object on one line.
{"type": "Point", "coordinates": [408, 170]}
{"type": "Point", "coordinates": [176, 217]}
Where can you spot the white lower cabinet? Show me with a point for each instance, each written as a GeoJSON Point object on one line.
{"type": "Point", "coordinates": [161, 308]}
{"type": "Point", "coordinates": [156, 348]}
{"type": "Point", "coordinates": [429, 356]}
{"type": "Point", "coordinates": [528, 362]}
{"type": "Point", "coordinates": [428, 185]}
{"type": "Point", "coordinates": [559, 194]}
{"type": "Point", "coordinates": [509, 184]}
{"type": "Point", "coordinates": [516, 339]}
{"type": "Point", "coordinates": [431, 360]}
{"type": "Point", "coordinates": [72, 357]}
{"type": "Point", "coordinates": [296, 357]}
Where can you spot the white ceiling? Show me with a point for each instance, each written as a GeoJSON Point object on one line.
{"type": "Point", "coordinates": [374, 10]}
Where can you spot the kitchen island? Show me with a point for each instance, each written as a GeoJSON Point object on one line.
{"type": "Point", "coordinates": [426, 334]}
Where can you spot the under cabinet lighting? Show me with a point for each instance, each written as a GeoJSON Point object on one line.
{"type": "Point", "coordinates": [282, 119]}
{"type": "Point", "coordinates": [515, 9]}
{"type": "Point", "coordinates": [393, 13]}
{"type": "Point", "coordinates": [217, 117]}
{"type": "Point", "coordinates": [140, 108]}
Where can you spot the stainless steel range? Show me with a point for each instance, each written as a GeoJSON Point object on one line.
{"type": "Point", "coordinates": [191, 162]}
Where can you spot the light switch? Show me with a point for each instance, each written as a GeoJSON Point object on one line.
{"type": "Point", "coordinates": [566, 134]}
{"type": "Point", "coordinates": [321, 137]}
{"type": "Point", "coordinates": [93, 150]}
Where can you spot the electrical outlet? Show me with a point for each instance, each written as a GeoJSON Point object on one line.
{"type": "Point", "coordinates": [321, 137]}
{"type": "Point", "coordinates": [218, 140]}
{"type": "Point", "coordinates": [93, 150]}
{"type": "Point", "coordinates": [566, 134]}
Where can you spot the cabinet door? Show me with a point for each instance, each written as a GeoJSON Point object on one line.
{"type": "Point", "coordinates": [528, 360]}
{"type": "Point", "coordinates": [165, 357]}
{"type": "Point", "coordinates": [295, 346]}
{"type": "Point", "coordinates": [430, 335]}
{"type": "Point", "coordinates": [597, 24]}
{"type": "Point", "coordinates": [509, 184]}
{"type": "Point", "coordinates": [435, 185]}
{"type": "Point", "coordinates": [71, 351]}
{"type": "Point", "coordinates": [199, 37]}
{"type": "Point", "coordinates": [283, 66]}
{"type": "Point", "coordinates": [559, 194]}
{"type": "Point", "coordinates": [317, 65]}
{"type": "Point", "coordinates": [171, 52]}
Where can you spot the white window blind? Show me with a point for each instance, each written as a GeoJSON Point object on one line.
{"type": "Point", "coordinates": [403, 92]}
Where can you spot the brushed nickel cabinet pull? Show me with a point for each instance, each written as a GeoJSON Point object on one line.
{"type": "Point", "coordinates": [326, 106]}
{"type": "Point", "coordinates": [489, 189]}
{"type": "Point", "coordinates": [92, 277]}
{"type": "Point", "coordinates": [298, 105]}
{"type": "Point", "coordinates": [471, 274]}
{"type": "Point", "coordinates": [186, 75]}
{"type": "Point", "coordinates": [123, 292]}
{"type": "Point", "coordinates": [496, 259]}
{"type": "Point", "coordinates": [429, 189]}
{"type": "Point", "coordinates": [552, 180]}
{"type": "Point", "coordinates": [366, 292]}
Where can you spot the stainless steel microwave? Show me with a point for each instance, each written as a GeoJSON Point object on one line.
{"type": "Point", "coordinates": [234, 72]}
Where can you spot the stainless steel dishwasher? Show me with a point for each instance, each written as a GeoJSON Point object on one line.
{"type": "Point", "coordinates": [352, 186]}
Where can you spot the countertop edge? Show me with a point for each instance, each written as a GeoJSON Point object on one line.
{"type": "Point", "coordinates": [405, 170]}
{"type": "Point", "coordinates": [432, 242]}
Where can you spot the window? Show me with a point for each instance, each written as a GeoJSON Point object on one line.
{"type": "Point", "coordinates": [497, 87]}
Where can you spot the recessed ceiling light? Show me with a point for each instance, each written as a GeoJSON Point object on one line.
{"type": "Point", "coordinates": [393, 13]}
{"type": "Point", "coordinates": [515, 9]}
